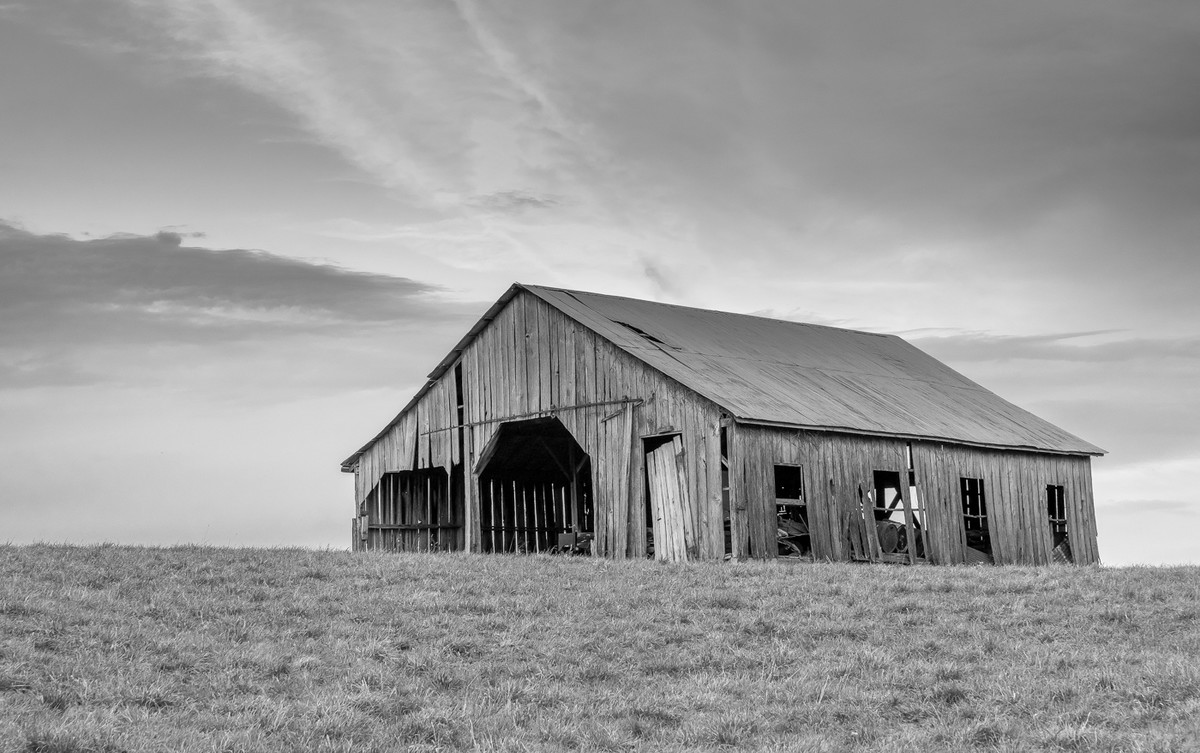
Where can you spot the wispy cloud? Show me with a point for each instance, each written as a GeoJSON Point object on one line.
{"type": "Point", "coordinates": [374, 82]}
{"type": "Point", "coordinates": [238, 41]}
{"type": "Point", "coordinates": [1150, 507]}
{"type": "Point", "coordinates": [507, 63]}
{"type": "Point", "coordinates": [514, 201]}
{"type": "Point", "coordinates": [1098, 346]}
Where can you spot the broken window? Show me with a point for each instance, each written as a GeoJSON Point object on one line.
{"type": "Point", "coordinates": [975, 521]}
{"type": "Point", "coordinates": [791, 511]}
{"type": "Point", "coordinates": [900, 528]}
{"type": "Point", "coordinates": [1056, 510]}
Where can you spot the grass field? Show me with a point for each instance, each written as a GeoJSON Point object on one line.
{"type": "Point", "coordinates": [132, 649]}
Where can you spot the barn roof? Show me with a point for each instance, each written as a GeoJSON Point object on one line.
{"type": "Point", "coordinates": [781, 373]}
{"type": "Point", "coordinates": [806, 375]}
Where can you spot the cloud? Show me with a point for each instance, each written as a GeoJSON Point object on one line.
{"type": "Point", "coordinates": [159, 281]}
{"type": "Point", "coordinates": [291, 67]}
{"type": "Point", "coordinates": [1088, 347]}
{"type": "Point", "coordinates": [71, 311]}
{"type": "Point", "coordinates": [1149, 506]}
{"type": "Point", "coordinates": [373, 81]}
{"type": "Point", "coordinates": [505, 62]}
{"type": "Point", "coordinates": [513, 201]}
{"type": "Point", "coordinates": [1019, 146]}
{"type": "Point", "coordinates": [1133, 395]}
{"type": "Point", "coordinates": [845, 132]}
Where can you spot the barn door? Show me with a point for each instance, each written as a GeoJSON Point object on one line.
{"type": "Point", "coordinates": [669, 508]}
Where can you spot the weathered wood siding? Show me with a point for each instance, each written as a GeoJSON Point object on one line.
{"type": "Point", "coordinates": [394, 451]}
{"type": "Point", "coordinates": [836, 466]}
{"type": "Point", "coordinates": [1015, 487]}
{"type": "Point", "coordinates": [533, 361]}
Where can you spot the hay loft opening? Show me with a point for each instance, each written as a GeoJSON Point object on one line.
{"type": "Point", "coordinates": [535, 490]}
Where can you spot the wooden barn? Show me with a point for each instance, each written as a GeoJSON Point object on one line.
{"type": "Point", "coordinates": [571, 421]}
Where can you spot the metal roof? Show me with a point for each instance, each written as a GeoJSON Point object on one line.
{"type": "Point", "coordinates": [781, 373]}
{"type": "Point", "coordinates": [785, 373]}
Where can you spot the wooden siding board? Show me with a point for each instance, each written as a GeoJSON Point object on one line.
{"type": "Point", "coordinates": [1088, 510]}
{"type": "Point", "coordinates": [835, 514]}
{"type": "Point", "coordinates": [714, 537]}
{"type": "Point", "coordinates": [737, 514]}
{"type": "Point", "coordinates": [951, 507]}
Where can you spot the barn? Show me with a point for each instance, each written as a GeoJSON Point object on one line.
{"type": "Point", "coordinates": [566, 421]}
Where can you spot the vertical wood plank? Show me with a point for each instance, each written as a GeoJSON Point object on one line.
{"type": "Point", "coordinates": [737, 493]}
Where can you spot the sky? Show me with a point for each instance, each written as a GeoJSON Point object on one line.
{"type": "Point", "coordinates": [235, 235]}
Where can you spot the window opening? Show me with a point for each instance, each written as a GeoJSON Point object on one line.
{"type": "Point", "coordinates": [975, 521]}
{"type": "Point", "coordinates": [791, 512]}
{"type": "Point", "coordinates": [900, 530]}
{"type": "Point", "coordinates": [1056, 511]}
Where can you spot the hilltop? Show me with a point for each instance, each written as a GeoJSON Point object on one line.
{"type": "Point", "coordinates": [138, 649]}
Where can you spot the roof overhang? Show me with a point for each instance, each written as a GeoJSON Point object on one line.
{"type": "Point", "coordinates": [350, 464]}
{"type": "Point", "coordinates": [919, 438]}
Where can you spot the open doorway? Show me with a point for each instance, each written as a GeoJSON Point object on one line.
{"type": "Point", "coordinates": [791, 512]}
{"type": "Point", "coordinates": [1056, 511]}
{"type": "Point", "coordinates": [977, 539]}
{"type": "Point", "coordinates": [670, 534]}
{"type": "Point", "coordinates": [535, 490]}
{"type": "Point", "coordinates": [412, 511]}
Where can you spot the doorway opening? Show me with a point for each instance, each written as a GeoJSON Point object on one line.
{"type": "Point", "coordinates": [1056, 511]}
{"type": "Point", "coordinates": [977, 539]}
{"type": "Point", "coordinates": [670, 533]}
{"type": "Point", "coordinates": [535, 490]}
{"type": "Point", "coordinates": [412, 511]}
{"type": "Point", "coordinates": [791, 512]}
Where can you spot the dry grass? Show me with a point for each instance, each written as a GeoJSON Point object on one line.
{"type": "Point", "coordinates": [129, 649]}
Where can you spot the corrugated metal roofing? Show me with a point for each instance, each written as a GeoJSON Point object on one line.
{"type": "Point", "coordinates": [783, 373]}
{"type": "Point", "coordinates": [811, 376]}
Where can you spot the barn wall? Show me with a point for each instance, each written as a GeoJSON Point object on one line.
{"type": "Point", "coordinates": [394, 451]}
{"type": "Point", "coordinates": [534, 361]}
{"type": "Point", "coordinates": [835, 466]}
{"type": "Point", "coordinates": [1015, 484]}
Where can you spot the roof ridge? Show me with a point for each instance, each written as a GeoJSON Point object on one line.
{"type": "Point", "coordinates": [573, 293]}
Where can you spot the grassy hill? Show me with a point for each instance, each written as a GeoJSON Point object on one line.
{"type": "Point", "coordinates": [132, 649]}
